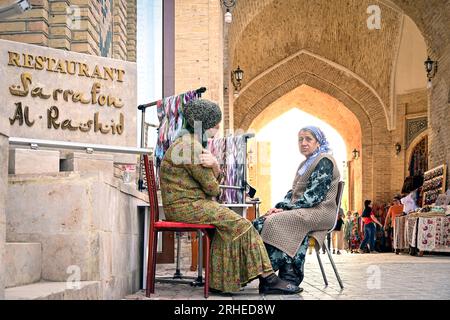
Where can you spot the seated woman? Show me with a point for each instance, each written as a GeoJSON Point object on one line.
{"type": "Point", "coordinates": [309, 209]}
{"type": "Point", "coordinates": [189, 179]}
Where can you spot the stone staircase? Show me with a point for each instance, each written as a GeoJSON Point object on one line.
{"type": "Point", "coordinates": [23, 261]}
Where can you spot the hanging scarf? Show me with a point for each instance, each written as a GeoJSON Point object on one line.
{"type": "Point", "coordinates": [171, 119]}
{"type": "Point", "coordinates": [323, 147]}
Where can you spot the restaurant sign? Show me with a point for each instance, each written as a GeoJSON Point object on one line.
{"type": "Point", "coordinates": [61, 95]}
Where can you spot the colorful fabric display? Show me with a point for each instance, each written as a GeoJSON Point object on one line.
{"type": "Point", "coordinates": [171, 120]}
{"type": "Point", "coordinates": [231, 153]}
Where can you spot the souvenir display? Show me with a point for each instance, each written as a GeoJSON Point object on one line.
{"type": "Point", "coordinates": [434, 184]}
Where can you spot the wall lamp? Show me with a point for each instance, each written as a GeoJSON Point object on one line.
{"type": "Point", "coordinates": [355, 154]}
{"type": "Point", "coordinates": [431, 69]}
{"type": "Point", "coordinates": [236, 78]}
{"type": "Point", "coordinates": [398, 148]}
{"type": "Point", "coordinates": [228, 4]}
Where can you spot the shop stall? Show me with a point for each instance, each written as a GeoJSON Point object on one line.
{"type": "Point", "coordinates": [428, 228]}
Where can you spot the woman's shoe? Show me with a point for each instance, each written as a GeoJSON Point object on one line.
{"type": "Point", "coordinates": [274, 285]}
{"type": "Point", "coordinates": [338, 252]}
{"type": "Point", "coordinates": [219, 292]}
{"type": "Point", "coordinates": [288, 274]}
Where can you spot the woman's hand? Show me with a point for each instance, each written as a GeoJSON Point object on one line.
{"type": "Point", "coordinates": [273, 210]}
{"type": "Point", "coordinates": [208, 160]}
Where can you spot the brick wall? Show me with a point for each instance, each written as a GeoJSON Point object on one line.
{"type": "Point", "coordinates": [84, 26]}
{"type": "Point", "coordinates": [131, 30]}
{"type": "Point", "coordinates": [409, 105]}
{"type": "Point", "coordinates": [252, 25]}
{"type": "Point", "coordinates": [199, 47]}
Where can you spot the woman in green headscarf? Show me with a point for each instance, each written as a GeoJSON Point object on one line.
{"type": "Point", "coordinates": [189, 177]}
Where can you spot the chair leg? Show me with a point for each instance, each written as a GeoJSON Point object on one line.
{"type": "Point", "coordinates": [321, 267]}
{"type": "Point", "coordinates": [178, 274]}
{"type": "Point", "coordinates": [150, 261]}
{"type": "Point", "coordinates": [206, 289]}
{"type": "Point", "coordinates": [200, 257]}
{"type": "Point", "coordinates": [334, 268]}
{"type": "Point", "coordinates": [155, 249]}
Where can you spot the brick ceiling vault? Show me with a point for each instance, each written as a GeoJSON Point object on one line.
{"type": "Point", "coordinates": [335, 82]}
{"type": "Point", "coordinates": [267, 32]}
{"type": "Point", "coordinates": [305, 68]}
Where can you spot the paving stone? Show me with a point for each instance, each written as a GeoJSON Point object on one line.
{"type": "Point", "coordinates": [402, 277]}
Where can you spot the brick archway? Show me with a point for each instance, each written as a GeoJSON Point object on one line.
{"type": "Point", "coordinates": [431, 17]}
{"type": "Point", "coordinates": [412, 147]}
{"type": "Point", "coordinates": [357, 96]}
{"type": "Point", "coordinates": [330, 110]}
{"type": "Point", "coordinates": [307, 68]}
{"type": "Point", "coordinates": [265, 32]}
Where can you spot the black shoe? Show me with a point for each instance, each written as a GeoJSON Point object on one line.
{"type": "Point", "coordinates": [274, 285]}
{"type": "Point", "coordinates": [219, 292]}
{"type": "Point", "coordinates": [288, 273]}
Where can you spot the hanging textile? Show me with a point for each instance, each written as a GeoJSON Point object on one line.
{"type": "Point", "coordinates": [231, 153]}
{"type": "Point", "coordinates": [171, 121]}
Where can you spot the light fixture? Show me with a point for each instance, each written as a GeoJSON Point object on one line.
{"type": "Point", "coordinates": [431, 69]}
{"type": "Point", "coordinates": [228, 4]}
{"type": "Point", "coordinates": [228, 16]}
{"type": "Point", "coordinates": [398, 148]}
{"type": "Point", "coordinates": [236, 78]}
{"type": "Point", "coordinates": [355, 154]}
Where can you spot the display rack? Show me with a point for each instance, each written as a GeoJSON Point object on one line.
{"type": "Point", "coordinates": [434, 184]}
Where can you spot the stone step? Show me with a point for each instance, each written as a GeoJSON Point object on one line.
{"type": "Point", "coordinates": [87, 290]}
{"type": "Point", "coordinates": [23, 261]}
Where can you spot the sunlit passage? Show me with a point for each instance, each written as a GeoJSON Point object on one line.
{"type": "Point", "coordinates": [278, 155]}
{"type": "Point", "coordinates": [285, 156]}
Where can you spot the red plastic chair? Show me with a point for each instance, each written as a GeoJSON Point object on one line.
{"type": "Point", "coordinates": [156, 226]}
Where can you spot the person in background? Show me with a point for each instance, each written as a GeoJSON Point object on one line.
{"type": "Point", "coordinates": [369, 220]}
{"type": "Point", "coordinates": [380, 214]}
{"type": "Point", "coordinates": [394, 211]}
{"type": "Point", "coordinates": [328, 243]}
{"type": "Point", "coordinates": [355, 237]}
{"type": "Point", "coordinates": [410, 201]}
{"type": "Point", "coordinates": [348, 232]}
{"type": "Point", "coordinates": [338, 234]}
{"type": "Point", "coordinates": [311, 245]}
{"type": "Point", "coordinates": [411, 192]}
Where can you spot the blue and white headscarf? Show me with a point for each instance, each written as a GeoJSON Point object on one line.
{"type": "Point", "coordinates": [324, 147]}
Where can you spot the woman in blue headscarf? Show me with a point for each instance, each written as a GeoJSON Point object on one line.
{"type": "Point", "coordinates": [308, 209]}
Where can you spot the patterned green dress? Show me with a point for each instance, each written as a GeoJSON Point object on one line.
{"type": "Point", "coordinates": [238, 254]}
{"type": "Point", "coordinates": [318, 184]}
